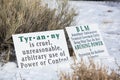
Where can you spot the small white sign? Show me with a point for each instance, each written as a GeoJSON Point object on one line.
{"type": "Point", "coordinates": [87, 42]}
{"type": "Point", "coordinates": [40, 49]}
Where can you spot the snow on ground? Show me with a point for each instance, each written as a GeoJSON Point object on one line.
{"type": "Point", "coordinates": [106, 15]}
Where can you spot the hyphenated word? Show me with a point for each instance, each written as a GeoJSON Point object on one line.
{"type": "Point", "coordinates": [40, 49]}
{"type": "Point", "coordinates": [40, 37]}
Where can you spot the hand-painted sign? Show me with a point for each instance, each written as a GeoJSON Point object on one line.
{"type": "Point", "coordinates": [40, 49]}
{"type": "Point", "coordinates": [87, 42]}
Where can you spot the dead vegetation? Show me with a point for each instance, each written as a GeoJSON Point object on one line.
{"type": "Point", "coordinates": [82, 71]}
{"type": "Point", "coordinates": [23, 16]}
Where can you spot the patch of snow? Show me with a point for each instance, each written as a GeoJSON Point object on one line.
{"type": "Point", "coordinates": [9, 66]}
{"type": "Point", "coordinates": [103, 14]}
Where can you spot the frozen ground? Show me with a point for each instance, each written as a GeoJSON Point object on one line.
{"type": "Point", "coordinates": [106, 15]}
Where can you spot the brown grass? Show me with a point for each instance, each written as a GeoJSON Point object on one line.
{"type": "Point", "coordinates": [23, 16]}
{"type": "Point", "coordinates": [82, 71]}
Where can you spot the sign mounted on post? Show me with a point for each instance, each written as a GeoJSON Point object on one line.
{"type": "Point", "coordinates": [87, 42]}
{"type": "Point", "coordinates": [40, 49]}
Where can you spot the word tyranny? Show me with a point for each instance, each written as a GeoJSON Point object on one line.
{"type": "Point", "coordinates": [40, 37]}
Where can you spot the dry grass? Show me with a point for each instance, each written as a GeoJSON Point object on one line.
{"type": "Point", "coordinates": [81, 71]}
{"type": "Point", "coordinates": [23, 16]}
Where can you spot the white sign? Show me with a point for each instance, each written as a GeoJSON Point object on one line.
{"type": "Point", "coordinates": [87, 42]}
{"type": "Point", "coordinates": [40, 49]}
